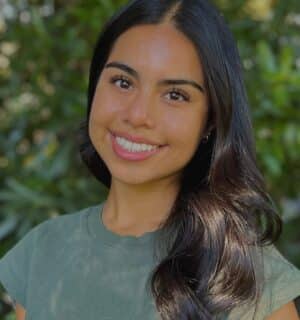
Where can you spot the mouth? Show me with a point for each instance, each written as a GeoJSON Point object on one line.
{"type": "Point", "coordinates": [122, 151]}
{"type": "Point", "coordinates": [135, 139]}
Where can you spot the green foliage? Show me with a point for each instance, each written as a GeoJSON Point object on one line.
{"type": "Point", "coordinates": [269, 43]}
{"type": "Point", "coordinates": [45, 51]}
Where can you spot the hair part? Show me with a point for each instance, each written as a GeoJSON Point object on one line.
{"type": "Point", "coordinates": [208, 247]}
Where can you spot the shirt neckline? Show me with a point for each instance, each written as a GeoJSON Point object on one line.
{"type": "Point", "coordinates": [99, 230]}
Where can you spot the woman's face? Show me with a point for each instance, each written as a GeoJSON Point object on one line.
{"type": "Point", "coordinates": [133, 98]}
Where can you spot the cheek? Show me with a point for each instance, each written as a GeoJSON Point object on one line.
{"type": "Point", "coordinates": [104, 107]}
{"type": "Point", "coordinates": [185, 129]}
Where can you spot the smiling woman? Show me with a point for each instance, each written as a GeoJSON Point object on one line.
{"type": "Point", "coordinates": [157, 102]}
{"type": "Point", "coordinates": [187, 229]}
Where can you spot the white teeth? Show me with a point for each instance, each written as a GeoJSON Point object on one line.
{"type": "Point", "coordinates": [134, 147]}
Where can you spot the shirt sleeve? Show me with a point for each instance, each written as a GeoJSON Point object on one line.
{"type": "Point", "coordinates": [15, 267]}
{"type": "Point", "coordinates": [281, 284]}
{"type": "Point", "coordinates": [282, 281]}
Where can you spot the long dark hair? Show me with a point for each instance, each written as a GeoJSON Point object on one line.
{"type": "Point", "coordinates": [222, 212]}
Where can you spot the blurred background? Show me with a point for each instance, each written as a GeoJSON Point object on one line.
{"type": "Point", "coordinates": [45, 51]}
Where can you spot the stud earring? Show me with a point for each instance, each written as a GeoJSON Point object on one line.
{"type": "Point", "coordinates": [205, 139]}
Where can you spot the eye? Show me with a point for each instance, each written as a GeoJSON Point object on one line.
{"type": "Point", "coordinates": [178, 94]}
{"type": "Point", "coordinates": [124, 82]}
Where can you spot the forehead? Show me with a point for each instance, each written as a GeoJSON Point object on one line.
{"type": "Point", "coordinates": [158, 49]}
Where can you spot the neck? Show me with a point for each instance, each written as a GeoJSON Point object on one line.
{"type": "Point", "coordinates": [135, 210]}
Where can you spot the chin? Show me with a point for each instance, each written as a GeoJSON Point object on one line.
{"type": "Point", "coordinates": [134, 178]}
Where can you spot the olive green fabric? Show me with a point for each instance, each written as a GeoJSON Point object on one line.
{"type": "Point", "coordinates": [72, 267]}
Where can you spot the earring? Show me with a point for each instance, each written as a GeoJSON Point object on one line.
{"type": "Point", "coordinates": [205, 139]}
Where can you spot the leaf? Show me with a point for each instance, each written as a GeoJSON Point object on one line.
{"type": "Point", "coordinates": [31, 196]}
{"type": "Point", "coordinates": [8, 226]}
{"type": "Point", "coordinates": [265, 57]}
{"type": "Point", "coordinates": [286, 59]}
{"type": "Point", "coordinates": [273, 165]}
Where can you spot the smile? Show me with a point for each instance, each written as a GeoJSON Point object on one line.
{"type": "Point", "coordinates": [128, 150]}
{"type": "Point", "coordinates": [133, 146]}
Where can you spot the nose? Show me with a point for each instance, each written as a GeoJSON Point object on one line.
{"type": "Point", "coordinates": [139, 111]}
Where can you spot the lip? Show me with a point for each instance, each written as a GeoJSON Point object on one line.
{"type": "Point", "coordinates": [132, 156]}
{"type": "Point", "coordinates": [134, 138]}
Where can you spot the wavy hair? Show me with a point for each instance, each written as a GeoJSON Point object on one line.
{"type": "Point", "coordinates": [222, 212]}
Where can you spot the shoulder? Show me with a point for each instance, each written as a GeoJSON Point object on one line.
{"type": "Point", "coordinates": [24, 266]}
{"type": "Point", "coordinates": [48, 234]}
{"type": "Point", "coordinates": [61, 224]}
{"type": "Point", "coordinates": [281, 277]}
{"type": "Point", "coordinates": [280, 283]}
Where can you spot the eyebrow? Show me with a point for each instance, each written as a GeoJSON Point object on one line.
{"type": "Point", "coordinates": [135, 74]}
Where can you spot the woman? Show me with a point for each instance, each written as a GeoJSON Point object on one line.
{"type": "Point", "coordinates": [186, 231]}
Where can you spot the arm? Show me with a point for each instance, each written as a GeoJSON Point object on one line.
{"type": "Point", "coordinates": [20, 312]}
{"type": "Point", "coordinates": [287, 312]}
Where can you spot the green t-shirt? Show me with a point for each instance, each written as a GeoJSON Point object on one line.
{"type": "Point", "coordinates": [72, 267]}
